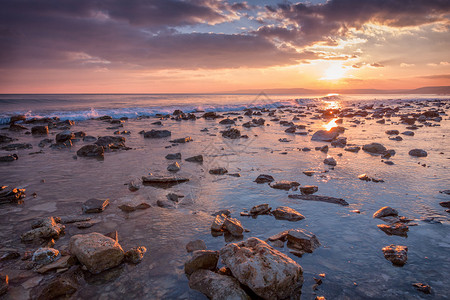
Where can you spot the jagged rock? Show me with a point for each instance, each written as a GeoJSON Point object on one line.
{"type": "Point", "coordinates": [64, 136]}
{"type": "Point", "coordinates": [320, 198]}
{"type": "Point", "coordinates": [96, 251]}
{"type": "Point", "coordinates": [232, 133]}
{"type": "Point", "coordinates": [218, 171]}
{"type": "Point", "coordinates": [309, 189]}
{"type": "Point", "coordinates": [195, 245]}
{"type": "Point", "coordinates": [39, 130]}
{"type": "Point", "coordinates": [11, 195]}
{"type": "Point", "coordinates": [263, 178]}
{"type": "Point", "coordinates": [202, 259]}
{"type": "Point", "coordinates": [44, 256]}
{"type": "Point", "coordinates": [287, 213]}
{"type": "Point", "coordinates": [284, 185]}
{"type": "Point", "coordinates": [385, 211]}
{"type": "Point", "coordinates": [422, 287]}
{"type": "Point", "coordinates": [157, 134]}
{"type": "Point", "coordinates": [233, 226]}
{"type": "Point", "coordinates": [399, 229]}
{"type": "Point", "coordinates": [174, 167]}
{"type": "Point", "coordinates": [216, 286]}
{"type": "Point", "coordinates": [135, 255]}
{"type": "Point", "coordinates": [374, 148]}
{"type": "Point", "coordinates": [197, 159]}
{"type": "Point", "coordinates": [217, 224]}
{"type": "Point", "coordinates": [44, 228]}
{"type": "Point", "coordinates": [330, 161]}
{"type": "Point", "coordinates": [173, 156]}
{"type": "Point", "coordinates": [418, 153]}
{"type": "Point", "coordinates": [302, 240]}
{"type": "Point", "coordinates": [396, 254]}
{"type": "Point", "coordinates": [91, 151]}
{"type": "Point", "coordinates": [260, 209]}
{"type": "Point", "coordinates": [18, 146]}
{"type": "Point", "coordinates": [111, 142]}
{"type": "Point", "coordinates": [95, 205]}
{"type": "Point", "coordinates": [269, 273]}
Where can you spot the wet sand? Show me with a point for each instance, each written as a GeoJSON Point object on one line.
{"type": "Point", "coordinates": [350, 255]}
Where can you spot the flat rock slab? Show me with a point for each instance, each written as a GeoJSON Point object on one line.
{"type": "Point", "coordinates": [399, 229]}
{"type": "Point", "coordinates": [95, 205]}
{"type": "Point", "coordinates": [163, 181]}
{"type": "Point", "coordinates": [284, 185]}
{"type": "Point", "coordinates": [269, 273]}
{"type": "Point", "coordinates": [302, 240]}
{"type": "Point", "coordinates": [96, 251]}
{"type": "Point", "coordinates": [320, 198]}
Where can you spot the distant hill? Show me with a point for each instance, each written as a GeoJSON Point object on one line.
{"type": "Point", "coordinates": [440, 90]}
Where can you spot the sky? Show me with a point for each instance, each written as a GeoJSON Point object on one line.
{"type": "Point", "coordinates": [207, 46]}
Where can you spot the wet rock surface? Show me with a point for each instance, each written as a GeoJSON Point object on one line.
{"type": "Point", "coordinates": [320, 198]}
{"type": "Point", "coordinates": [396, 254]}
{"type": "Point", "coordinates": [287, 213]}
{"type": "Point", "coordinates": [202, 260]}
{"type": "Point", "coordinates": [95, 205]}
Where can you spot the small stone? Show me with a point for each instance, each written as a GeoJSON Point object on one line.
{"type": "Point", "coordinates": [173, 156]}
{"type": "Point", "coordinates": [95, 205]}
{"type": "Point", "coordinates": [374, 148]}
{"type": "Point", "coordinates": [309, 173]}
{"type": "Point", "coordinates": [44, 256]}
{"type": "Point", "coordinates": [232, 133]}
{"type": "Point", "coordinates": [195, 245]}
{"type": "Point", "coordinates": [399, 229]}
{"type": "Point", "coordinates": [135, 255]}
{"type": "Point", "coordinates": [263, 178]}
{"type": "Point", "coordinates": [196, 159]}
{"type": "Point", "coordinates": [284, 185]}
{"type": "Point", "coordinates": [91, 151]}
{"type": "Point", "coordinates": [202, 259]}
{"type": "Point", "coordinates": [143, 205]}
{"type": "Point", "coordinates": [218, 171]}
{"type": "Point", "coordinates": [392, 132]}
{"type": "Point", "coordinates": [309, 189]}
{"type": "Point", "coordinates": [156, 134]}
{"type": "Point", "coordinates": [352, 149]}
{"type": "Point", "coordinates": [385, 211]}
{"type": "Point", "coordinates": [422, 287]}
{"type": "Point", "coordinates": [260, 209]}
{"type": "Point", "coordinates": [217, 224]}
{"type": "Point", "coordinates": [174, 167]}
{"type": "Point", "coordinates": [330, 161]}
{"type": "Point", "coordinates": [418, 153]}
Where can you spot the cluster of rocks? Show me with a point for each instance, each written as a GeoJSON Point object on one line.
{"type": "Point", "coordinates": [224, 223]}
{"type": "Point", "coordinates": [11, 195]}
{"type": "Point", "coordinates": [280, 213]}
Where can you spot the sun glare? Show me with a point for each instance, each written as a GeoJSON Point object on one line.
{"type": "Point", "coordinates": [334, 72]}
{"type": "Point", "coordinates": [330, 124]}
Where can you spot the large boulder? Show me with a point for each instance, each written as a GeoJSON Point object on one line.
{"type": "Point", "coordinates": [269, 273]}
{"type": "Point", "coordinates": [216, 286]}
{"type": "Point", "coordinates": [96, 251]}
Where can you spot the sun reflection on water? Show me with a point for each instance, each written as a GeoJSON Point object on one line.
{"type": "Point", "coordinates": [330, 124]}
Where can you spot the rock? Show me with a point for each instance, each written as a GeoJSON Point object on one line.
{"type": "Point", "coordinates": [396, 254]}
{"type": "Point", "coordinates": [225, 212]}
{"type": "Point", "coordinates": [227, 122]}
{"type": "Point", "coordinates": [95, 205]}
{"type": "Point", "coordinates": [111, 142]}
{"type": "Point", "coordinates": [269, 273]}
{"type": "Point", "coordinates": [339, 142]}
{"type": "Point", "coordinates": [447, 192]}
{"type": "Point", "coordinates": [91, 151]}
{"type": "Point", "coordinates": [18, 146]}
{"type": "Point", "coordinates": [330, 161]}
{"type": "Point", "coordinates": [134, 185]}
{"type": "Point", "coordinates": [287, 213]}
{"type": "Point", "coordinates": [11, 195]}
{"type": "Point", "coordinates": [143, 205]}
{"type": "Point", "coordinates": [17, 118]}
{"type": "Point", "coordinates": [217, 224]}
{"type": "Point", "coordinates": [174, 167]}
{"type": "Point", "coordinates": [174, 197]}
{"type": "Point", "coordinates": [211, 115]}
{"type": "Point", "coordinates": [5, 139]}
{"type": "Point", "coordinates": [263, 178]}
{"type": "Point", "coordinates": [45, 142]}
{"type": "Point", "coordinates": [352, 149]}
{"type": "Point", "coordinates": [320, 198]}
{"type": "Point", "coordinates": [157, 134]}
{"type": "Point", "coordinates": [309, 173]}
{"type": "Point", "coordinates": [173, 156]}
{"type": "Point", "coordinates": [392, 132]}
{"type": "Point", "coordinates": [182, 140]}
{"type": "Point", "coordinates": [64, 136]}
{"type": "Point", "coordinates": [308, 189]}
{"type": "Point", "coordinates": [44, 256]}
{"type": "Point", "coordinates": [302, 240]}
{"type": "Point", "coordinates": [10, 255]}
{"type": "Point", "coordinates": [73, 219]}
{"type": "Point", "coordinates": [58, 288]}
{"type": "Point", "coordinates": [135, 255]}
{"type": "Point", "coordinates": [364, 177]}
{"type": "Point", "coordinates": [385, 211]}
{"type": "Point", "coordinates": [62, 263]}
{"type": "Point", "coordinates": [4, 282]}
{"type": "Point", "coordinates": [399, 229]}
{"type": "Point", "coordinates": [39, 130]}
{"type": "Point", "coordinates": [89, 139]}
{"type": "Point", "coordinates": [202, 259]}
{"type": "Point", "coordinates": [44, 228]}
{"type": "Point", "coordinates": [284, 185]}
{"type": "Point", "coordinates": [325, 136]}
{"type": "Point", "coordinates": [218, 171]}
{"type": "Point", "coordinates": [418, 153]}
{"type": "Point", "coordinates": [196, 159]}
{"type": "Point", "coordinates": [165, 204]}
{"type": "Point", "coordinates": [96, 251]}
{"type": "Point", "coordinates": [282, 236]}
{"type": "Point", "coordinates": [17, 127]}
{"type": "Point", "coordinates": [396, 138]}
{"type": "Point", "coordinates": [232, 133]}
{"type": "Point", "coordinates": [422, 287]}
{"type": "Point", "coordinates": [374, 148]}
{"type": "Point", "coordinates": [233, 226]}
{"type": "Point", "coordinates": [260, 209]}
{"type": "Point", "coordinates": [445, 204]}
{"type": "Point", "coordinates": [408, 133]}
{"type": "Point", "coordinates": [216, 286]}
{"type": "Point", "coordinates": [195, 245]}
{"type": "Point", "coordinates": [163, 181]}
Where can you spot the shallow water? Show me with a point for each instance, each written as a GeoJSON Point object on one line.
{"type": "Point", "coordinates": [350, 255]}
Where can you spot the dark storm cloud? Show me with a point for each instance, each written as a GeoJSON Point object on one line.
{"type": "Point", "coordinates": [313, 23]}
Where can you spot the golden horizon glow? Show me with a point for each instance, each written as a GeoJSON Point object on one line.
{"type": "Point", "coordinates": [330, 125]}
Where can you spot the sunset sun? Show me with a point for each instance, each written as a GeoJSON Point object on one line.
{"type": "Point", "coordinates": [334, 72]}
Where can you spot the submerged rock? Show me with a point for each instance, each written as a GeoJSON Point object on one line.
{"type": "Point", "coordinates": [157, 134]}
{"type": "Point", "coordinates": [18, 146]}
{"type": "Point", "coordinates": [91, 151]}
{"type": "Point", "coordinates": [216, 286]}
{"type": "Point", "coordinates": [287, 213]}
{"type": "Point", "coordinates": [260, 209]}
{"type": "Point", "coordinates": [418, 153]}
{"type": "Point", "coordinates": [399, 229]}
{"type": "Point", "coordinates": [263, 178]}
{"type": "Point", "coordinates": [422, 287]}
{"type": "Point", "coordinates": [95, 205]}
{"type": "Point", "coordinates": [96, 251]}
{"type": "Point", "coordinates": [44, 228]}
{"type": "Point", "coordinates": [396, 254]}
{"type": "Point", "coordinates": [112, 143]}
{"type": "Point", "coordinates": [385, 211]}
{"type": "Point", "coordinates": [202, 259]}
{"type": "Point", "coordinates": [269, 273]}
